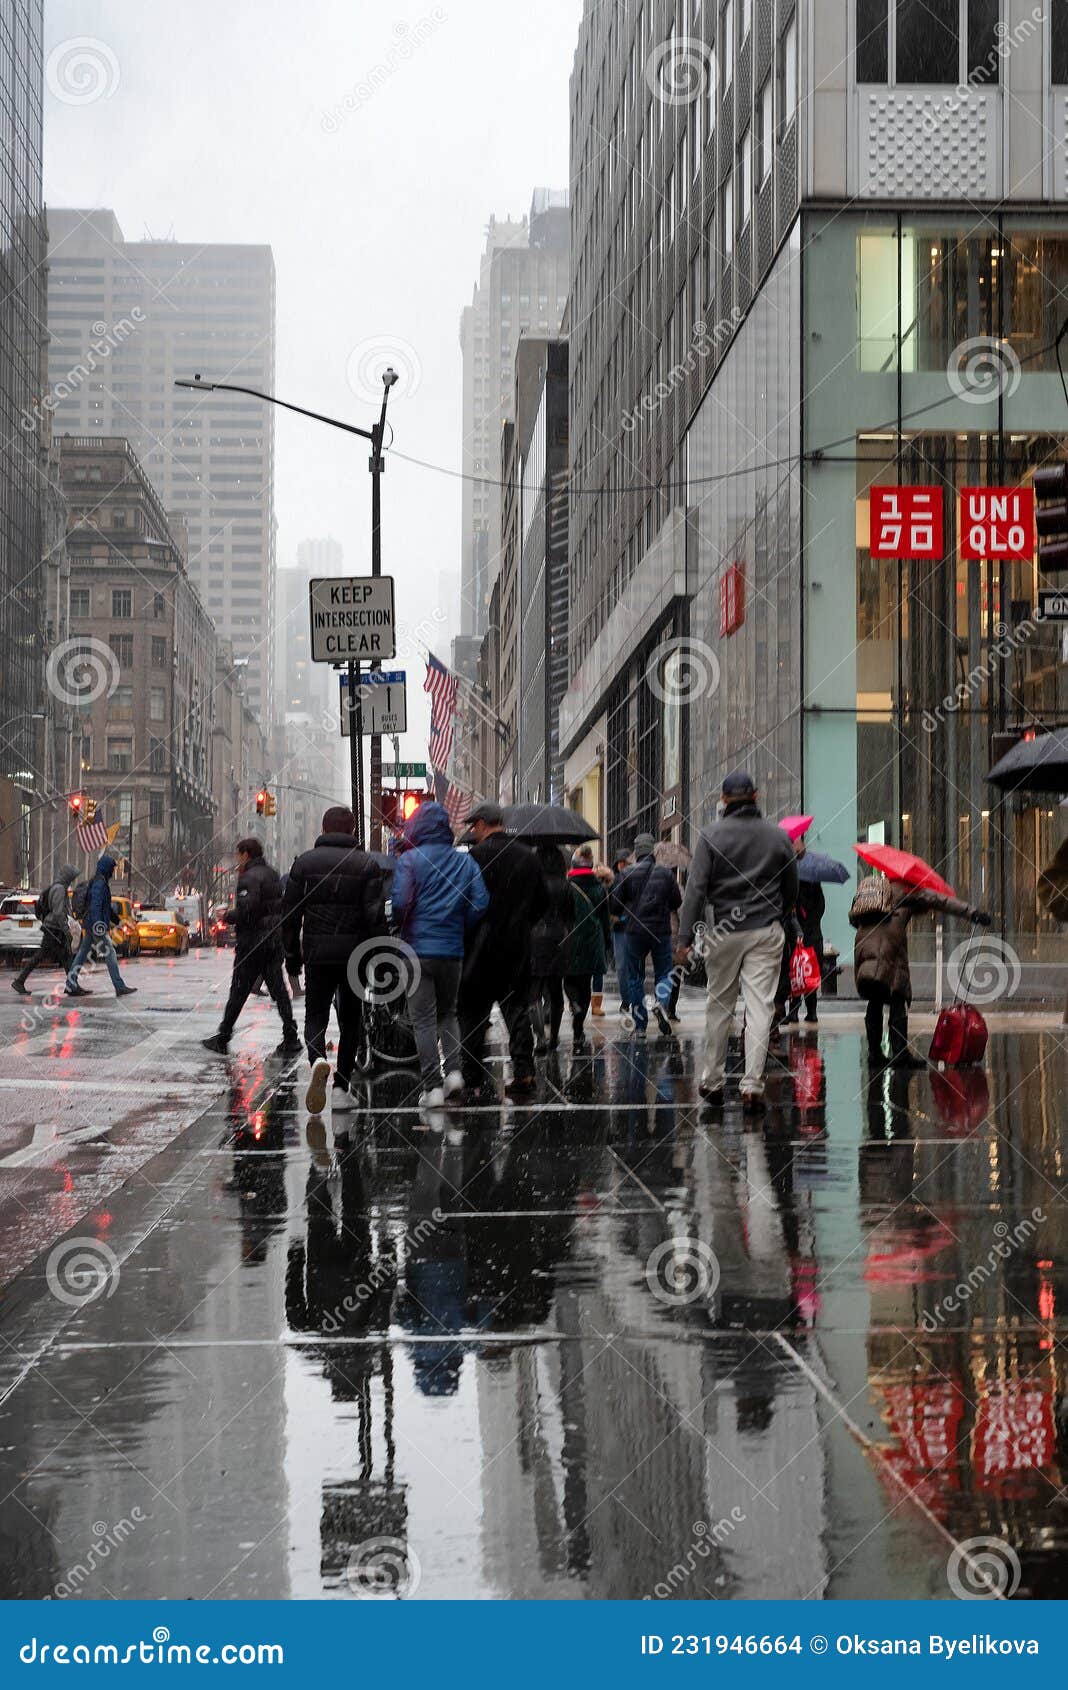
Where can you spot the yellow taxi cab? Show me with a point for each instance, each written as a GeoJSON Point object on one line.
{"type": "Point", "coordinates": [161, 930]}
{"type": "Point", "coordinates": [125, 935]}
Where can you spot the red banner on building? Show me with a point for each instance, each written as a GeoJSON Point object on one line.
{"type": "Point", "coordinates": [906, 522]}
{"type": "Point", "coordinates": [1014, 1432]}
{"type": "Point", "coordinates": [731, 599]}
{"type": "Point", "coordinates": [997, 522]}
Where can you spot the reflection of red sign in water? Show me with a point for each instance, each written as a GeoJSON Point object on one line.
{"type": "Point", "coordinates": [925, 1420]}
{"type": "Point", "coordinates": [731, 599]}
{"type": "Point", "coordinates": [1013, 1432]}
{"type": "Point", "coordinates": [905, 522]}
{"type": "Point", "coordinates": [997, 522]}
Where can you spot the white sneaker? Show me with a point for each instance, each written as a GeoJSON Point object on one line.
{"type": "Point", "coordinates": [432, 1099]}
{"type": "Point", "coordinates": [315, 1096]}
{"type": "Point", "coordinates": [341, 1100]}
{"type": "Point", "coordinates": [454, 1082]}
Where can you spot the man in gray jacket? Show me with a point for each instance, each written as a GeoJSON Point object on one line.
{"type": "Point", "coordinates": [55, 946]}
{"type": "Point", "coordinates": [742, 883]}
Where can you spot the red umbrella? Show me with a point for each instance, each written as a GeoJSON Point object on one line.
{"type": "Point", "coordinates": [795, 826]}
{"type": "Point", "coordinates": [902, 865]}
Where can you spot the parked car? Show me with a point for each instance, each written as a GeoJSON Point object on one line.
{"type": "Point", "coordinates": [20, 930]}
{"type": "Point", "coordinates": [161, 931]}
{"type": "Point", "coordinates": [125, 933]}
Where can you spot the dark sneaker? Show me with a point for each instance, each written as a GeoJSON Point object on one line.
{"type": "Point", "coordinates": [76, 992]}
{"type": "Point", "coordinates": [525, 1086]}
{"type": "Point", "coordinates": [661, 1019]}
{"type": "Point", "coordinates": [21, 988]}
{"type": "Point", "coordinates": [216, 1043]}
{"type": "Point", "coordinates": [125, 991]}
{"type": "Point", "coordinates": [472, 1097]}
{"type": "Point", "coordinates": [752, 1103]}
{"type": "Point", "coordinates": [290, 1046]}
{"type": "Point", "coordinates": [908, 1060]}
{"type": "Point", "coordinates": [711, 1094]}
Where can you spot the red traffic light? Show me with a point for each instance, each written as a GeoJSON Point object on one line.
{"type": "Point", "coordinates": [261, 802]}
{"type": "Point", "coordinates": [410, 803]}
{"type": "Point", "coordinates": [76, 803]}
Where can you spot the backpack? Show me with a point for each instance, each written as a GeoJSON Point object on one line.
{"type": "Point", "coordinates": [79, 902]}
{"type": "Point", "coordinates": [44, 903]}
{"type": "Point", "coordinates": [872, 900]}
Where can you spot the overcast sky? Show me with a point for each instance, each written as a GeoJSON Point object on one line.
{"type": "Point", "coordinates": [228, 120]}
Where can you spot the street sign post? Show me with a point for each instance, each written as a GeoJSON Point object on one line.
{"type": "Point", "coordinates": [383, 703]}
{"type": "Point", "coordinates": [352, 619]}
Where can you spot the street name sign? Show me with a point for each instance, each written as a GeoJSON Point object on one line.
{"type": "Point", "coordinates": [352, 619]}
{"type": "Point", "coordinates": [1052, 605]}
{"type": "Point", "coordinates": [383, 702]}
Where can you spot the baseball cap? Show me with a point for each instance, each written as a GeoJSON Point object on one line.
{"type": "Point", "coordinates": [739, 785]}
{"type": "Point", "coordinates": [644, 845]}
{"type": "Point", "coordinates": [488, 812]}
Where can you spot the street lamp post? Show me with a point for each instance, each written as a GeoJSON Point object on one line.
{"type": "Point", "coordinates": [376, 465]}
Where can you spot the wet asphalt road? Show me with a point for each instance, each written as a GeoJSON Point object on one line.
{"type": "Point", "coordinates": [608, 1345]}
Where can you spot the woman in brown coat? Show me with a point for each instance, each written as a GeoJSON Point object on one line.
{"type": "Point", "coordinates": [881, 964]}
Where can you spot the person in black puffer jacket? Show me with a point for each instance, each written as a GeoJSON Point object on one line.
{"type": "Point", "coordinates": [256, 915]}
{"type": "Point", "coordinates": [550, 943]}
{"type": "Point", "coordinates": [334, 900]}
{"type": "Point", "coordinates": [645, 897]}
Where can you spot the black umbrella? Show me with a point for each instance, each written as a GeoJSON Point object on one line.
{"type": "Point", "coordinates": [817, 866]}
{"type": "Point", "coordinates": [547, 824]}
{"type": "Point", "coordinates": [1034, 765]}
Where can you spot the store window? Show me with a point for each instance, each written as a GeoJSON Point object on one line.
{"type": "Point", "coordinates": [933, 43]}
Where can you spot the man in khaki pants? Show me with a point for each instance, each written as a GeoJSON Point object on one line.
{"type": "Point", "coordinates": [742, 883]}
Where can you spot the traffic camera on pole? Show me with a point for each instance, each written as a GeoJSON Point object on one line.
{"type": "Point", "coordinates": [1051, 516]}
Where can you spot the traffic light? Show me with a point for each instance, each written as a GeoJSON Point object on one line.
{"type": "Point", "coordinates": [261, 803]}
{"type": "Point", "coordinates": [1051, 515]}
{"type": "Point", "coordinates": [76, 806]}
{"type": "Point", "coordinates": [270, 808]}
{"type": "Point", "coordinates": [90, 809]}
{"type": "Point", "coordinates": [410, 802]}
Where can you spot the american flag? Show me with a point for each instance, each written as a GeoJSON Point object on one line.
{"type": "Point", "coordinates": [92, 836]}
{"type": "Point", "coordinates": [440, 683]}
{"type": "Point", "coordinates": [454, 800]}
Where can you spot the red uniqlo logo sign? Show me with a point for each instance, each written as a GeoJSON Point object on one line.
{"type": "Point", "coordinates": [731, 599]}
{"type": "Point", "coordinates": [906, 522]}
{"type": "Point", "coordinates": [997, 522]}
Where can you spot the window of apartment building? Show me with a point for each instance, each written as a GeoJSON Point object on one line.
{"type": "Point", "coordinates": [1058, 35]}
{"type": "Point", "coordinates": [120, 703]}
{"type": "Point", "coordinates": [85, 752]}
{"type": "Point", "coordinates": [745, 172]}
{"type": "Point", "coordinates": [727, 43]}
{"type": "Point", "coordinates": [766, 109]}
{"type": "Point", "coordinates": [79, 601]}
{"type": "Point", "coordinates": [155, 809]}
{"type": "Point", "coordinates": [157, 756]}
{"type": "Point", "coordinates": [935, 42]}
{"type": "Point", "coordinates": [122, 646]}
{"type": "Point", "coordinates": [157, 704]}
{"type": "Point", "coordinates": [727, 216]}
{"type": "Point", "coordinates": [682, 171]}
{"type": "Point", "coordinates": [121, 602]}
{"type": "Point", "coordinates": [120, 755]}
{"type": "Point", "coordinates": [159, 652]}
{"type": "Point", "coordinates": [788, 76]}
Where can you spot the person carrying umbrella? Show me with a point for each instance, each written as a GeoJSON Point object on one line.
{"type": "Point", "coordinates": [647, 896]}
{"type": "Point", "coordinates": [881, 911]}
{"type": "Point", "coordinates": [550, 943]}
{"type": "Point", "coordinates": [589, 939]}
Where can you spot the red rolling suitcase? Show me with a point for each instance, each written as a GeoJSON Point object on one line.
{"type": "Point", "coordinates": [960, 1034]}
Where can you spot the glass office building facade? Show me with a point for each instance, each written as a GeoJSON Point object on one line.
{"type": "Point", "coordinates": [22, 328]}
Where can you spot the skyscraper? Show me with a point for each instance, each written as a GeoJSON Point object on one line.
{"type": "Point", "coordinates": [22, 249]}
{"type": "Point", "coordinates": [521, 289]}
{"type": "Point", "coordinates": [128, 318]}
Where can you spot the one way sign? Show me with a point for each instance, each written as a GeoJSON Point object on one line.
{"type": "Point", "coordinates": [383, 702]}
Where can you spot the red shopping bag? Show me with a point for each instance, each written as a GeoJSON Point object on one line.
{"type": "Point", "coordinates": [804, 971]}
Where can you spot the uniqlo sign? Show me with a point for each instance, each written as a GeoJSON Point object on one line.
{"type": "Point", "coordinates": [731, 599]}
{"type": "Point", "coordinates": [906, 522]}
{"type": "Point", "coordinates": [997, 522]}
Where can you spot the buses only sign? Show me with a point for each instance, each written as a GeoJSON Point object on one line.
{"type": "Point", "coordinates": [352, 619]}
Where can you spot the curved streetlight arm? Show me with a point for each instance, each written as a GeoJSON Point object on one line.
{"type": "Point", "coordinates": [254, 393]}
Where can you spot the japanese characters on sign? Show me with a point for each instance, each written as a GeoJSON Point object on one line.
{"type": "Point", "coordinates": [995, 523]}
{"type": "Point", "coordinates": [906, 522]}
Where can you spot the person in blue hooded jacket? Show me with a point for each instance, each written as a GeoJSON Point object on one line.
{"type": "Point", "coordinates": [438, 897]}
{"type": "Point", "coordinates": [99, 918]}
